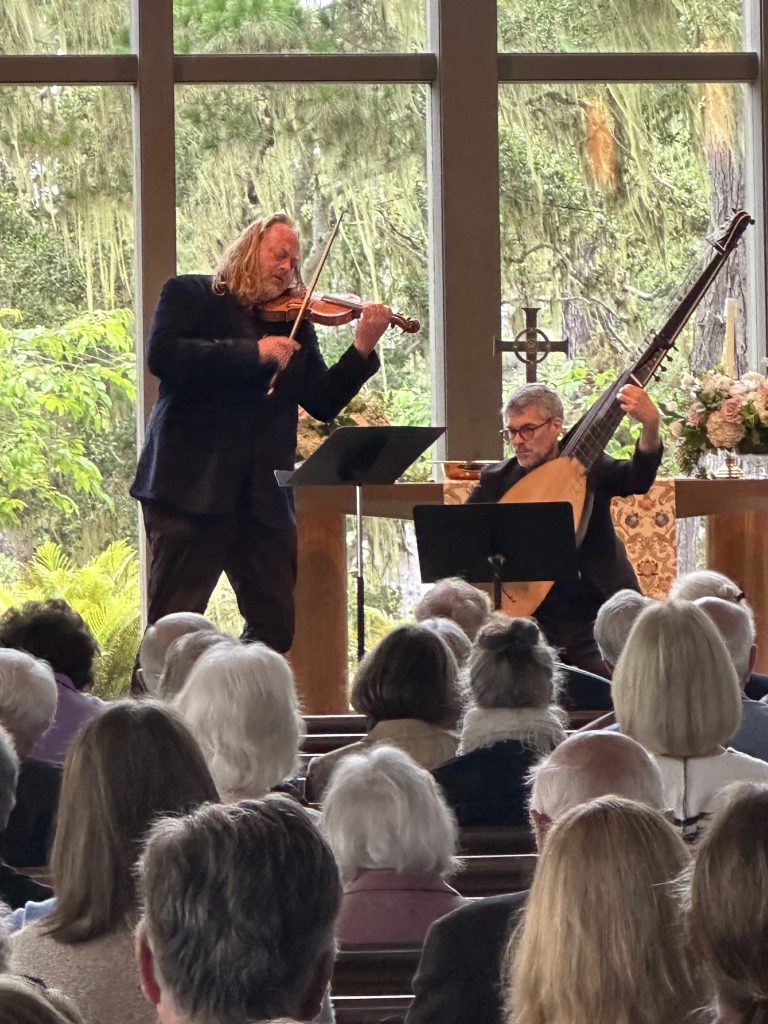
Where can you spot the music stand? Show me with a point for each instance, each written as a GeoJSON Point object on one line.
{"type": "Point", "coordinates": [487, 543]}
{"type": "Point", "coordinates": [357, 456]}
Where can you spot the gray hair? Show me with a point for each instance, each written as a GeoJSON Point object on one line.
{"type": "Point", "coordinates": [240, 702]}
{"type": "Point", "coordinates": [614, 621]}
{"type": "Point", "coordinates": [9, 776]}
{"type": "Point", "coordinates": [383, 811]}
{"type": "Point", "coordinates": [589, 765]}
{"type": "Point", "coordinates": [545, 399]}
{"type": "Point", "coordinates": [239, 906]}
{"type": "Point", "coordinates": [511, 665]}
{"type": "Point", "coordinates": [674, 687]}
{"type": "Point", "coordinates": [736, 625]}
{"type": "Point", "coordinates": [454, 598]}
{"type": "Point", "coordinates": [182, 655]}
{"type": "Point", "coordinates": [705, 583]}
{"type": "Point", "coordinates": [159, 637]}
{"type": "Point", "coordinates": [28, 697]}
{"type": "Point", "coordinates": [454, 636]}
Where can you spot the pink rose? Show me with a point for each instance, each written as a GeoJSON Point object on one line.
{"type": "Point", "coordinates": [731, 409]}
{"type": "Point", "coordinates": [697, 414]}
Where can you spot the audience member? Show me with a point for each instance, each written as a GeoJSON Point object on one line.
{"type": "Point", "coordinates": [28, 698]}
{"type": "Point", "coordinates": [602, 937]}
{"type": "Point", "coordinates": [23, 1001]}
{"type": "Point", "coordinates": [675, 691]}
{"type": "Point", "coordinates": [728, 896]}
{"type": "Point", "coordinates": [15, 887]}
{"type": "Point", "coordinates": [54, 632]}
{"type": "Point", "coordinates": [736, 625]}
{"type": "Point", "coordinates": [459, 978]}
{"type": "Point", "coordinates": [158, 638]}
{"type": "Point", "coordinates": [133, 762]}
{"type": "Point", "coordinates": [182, 655]}
{"type": "Point", "coordinates": [454, 598]}
{"type": "Point", "coordinates": [614, 621]}
{"type": "Point", "coordinates": [451, 632]}
{"type": "Point", "coordinates": [239, 903]}
{"type": "Point", "coordinates": [513, 683]}
{"type": "Point", "coordinates": [708, 583]}
{"type": "Point", "coordinates": [239, 700]}
{"type": "Point", "coordinates": [408, 689]}
{"type": "Point", "coordinates": [394, 840]}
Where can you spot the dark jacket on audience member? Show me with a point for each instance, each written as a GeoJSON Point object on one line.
{"type": "Point", "coordinates": [486, 787]}
{"type": "Point", "coordinates": [17, 890]}
{"type": "Point", "coordinates": [459, 976]}
{"type": "Point", "coordinates": [27, 839]}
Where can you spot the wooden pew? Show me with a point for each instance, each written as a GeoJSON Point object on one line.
{"type": "Point", "coordinates": [323, 743]}
{"type": "Point", "coordinates": [369, 1009]}
{"type": "Point", "coordinates": [336, 723]}
{"type": "Point", "coordinates": [517, 839]}
{"type": "Point", "coordinates": [375, 970]}
{"type": "Point", "coordinates": [495, 874]}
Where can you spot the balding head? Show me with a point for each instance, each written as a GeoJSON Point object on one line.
{"type": "Point", "coordinates": [614, 621]}
{"type": "Point", "coordinates": [736, 625]}
{"type": "Point", "coordinates": [159, 637]}
{"type": "Point", "coordinates": [589, 765]}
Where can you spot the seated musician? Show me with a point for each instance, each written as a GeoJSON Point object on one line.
{"type": "Point", "coordinates": [534, 421]}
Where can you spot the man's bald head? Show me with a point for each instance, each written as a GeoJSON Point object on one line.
{"type": "Point", "coordinates": [589, 765]}
{"type": "Point", "coordinates": [159, 637]}
{"type": "Point", "coordinates": [736, 625]}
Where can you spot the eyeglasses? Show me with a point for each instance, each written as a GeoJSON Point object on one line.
{"type": "Point", "coordinates": [525, 433]}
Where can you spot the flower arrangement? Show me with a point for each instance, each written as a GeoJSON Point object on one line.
{"type": "Point", "coordinates": [725, 414]}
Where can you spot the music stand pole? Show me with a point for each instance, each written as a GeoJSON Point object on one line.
{"type": "Point", "coordinates": [360, 577]}
{"type": "Point", "coordinates": [496, 563]}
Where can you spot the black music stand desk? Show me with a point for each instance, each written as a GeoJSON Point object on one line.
{"type": "Point", "coordinates": [357, 456]}
{"type": "Point", "coordinates": [490, 543]}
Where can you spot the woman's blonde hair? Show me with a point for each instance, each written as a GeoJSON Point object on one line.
{"type": "Point", "coordinates": [674, 686]}
{"type": "Point", "coordinates": [238, 269]}
{"type": "Point", "coordinates": [728, 890]}
{"type": "Point", "coordinates": [602, 936]}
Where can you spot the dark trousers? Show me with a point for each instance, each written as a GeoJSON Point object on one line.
{"type": "Point", "coordinates": [188, 553]}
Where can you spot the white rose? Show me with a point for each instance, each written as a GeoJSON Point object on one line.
{"type": "Point", "coordinates": [676, 428]}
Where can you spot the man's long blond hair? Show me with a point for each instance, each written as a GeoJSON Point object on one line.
{"type": "Point", "coordinates": [602, 937]}
{"type": "Point", "coordinates": [238, 269]}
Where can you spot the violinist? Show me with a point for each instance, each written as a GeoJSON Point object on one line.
{"type": "Point", "coordinates": [231, 383]}
{"type": "Point", "coordinates": [533, 417]}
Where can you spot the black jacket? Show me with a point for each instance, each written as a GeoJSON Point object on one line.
{"type": "Point", "coordinates": [216, 434]}
{"type": "Point", "coordinates": [486, 787]}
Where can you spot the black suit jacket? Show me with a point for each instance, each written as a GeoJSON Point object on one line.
{"type": "Point", "coordinates": [216, 435]}
{"type": "Point", "coordinates": [486, 788]}
{"type": "Point", "coordinates": [603, 562]}
{"type": "Point", "coordinates": [459, 976]}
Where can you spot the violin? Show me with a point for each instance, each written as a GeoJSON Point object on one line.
{"type": "Point", "coordinates": [329, 310]}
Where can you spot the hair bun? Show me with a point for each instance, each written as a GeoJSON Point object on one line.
{"type": "Point", "coordinates": [514, 637]}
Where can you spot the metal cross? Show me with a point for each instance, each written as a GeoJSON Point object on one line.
{"type": "Point", "coordinates": [531, 346]}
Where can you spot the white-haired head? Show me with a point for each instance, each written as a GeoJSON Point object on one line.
{"type": "Point", "coordinates": [736, 625]}
{"type": "Point", "coordinates": [454, 598]}
{"type": "Point", "coordinates": [383, 811]}
{"type": "Point", "coordinates": [705, 583]}
{"type": "Point", "coordinates": [9, 775]}
{"type": "Point", "coordinates": [614, 621]}
{"type": "Point", "coordinates": [28, 697]}
{"type": "Point", "coordinates": [589, 765]}
{"type": "Point", "coordinates": [240, 702]}
{"type": "Point", "coordinates": [454, 636]}
{"type": "Point", "coordinates": [159, 637]}
{"type": "Point", "coordinates": [182, 655]}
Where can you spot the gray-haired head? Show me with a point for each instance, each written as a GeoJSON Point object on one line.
{"type": "Point", "coordinates": [614, 621]}
{"type": "Point", "coordinates": [182, 655]}
{"type": "Point", "coordinates": [9, 775]}
{"type": "Point", "coordinates": [736, 625]}
{"type": "Point", "coordinates": [588, 765]}
{"type": "Point", "coordinates": [454, 598]}
{"type": "Point", "coordinates": [240, 703]}
{"type": "Point", "coordinates": [454, 636]}
{"type": "Point", "coordinates": [28, 697]}
{"type": "Point", "coordinates": [239, 904]}
{"type": "Point", "coordinates": [533, 395]}
{"type": "Point", "coordinates": [383, 811]}
{"type": "Point", "coordinates": [159, 637]}
{"type": "Point", "coordinates": [705, 583]}
{"type": "Point", "coordinates": [512, 666]}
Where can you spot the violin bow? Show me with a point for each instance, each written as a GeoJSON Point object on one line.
{"type": "Point", "coordinates": [315, 276]}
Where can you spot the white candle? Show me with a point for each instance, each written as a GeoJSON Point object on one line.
{"type": "Point", "coordinates": [730, 337]}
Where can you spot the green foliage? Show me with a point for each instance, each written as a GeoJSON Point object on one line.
{"type": "Point", "coordinates": [105, 591]}
{"type": "Point", "coordinates": [54, 384]}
